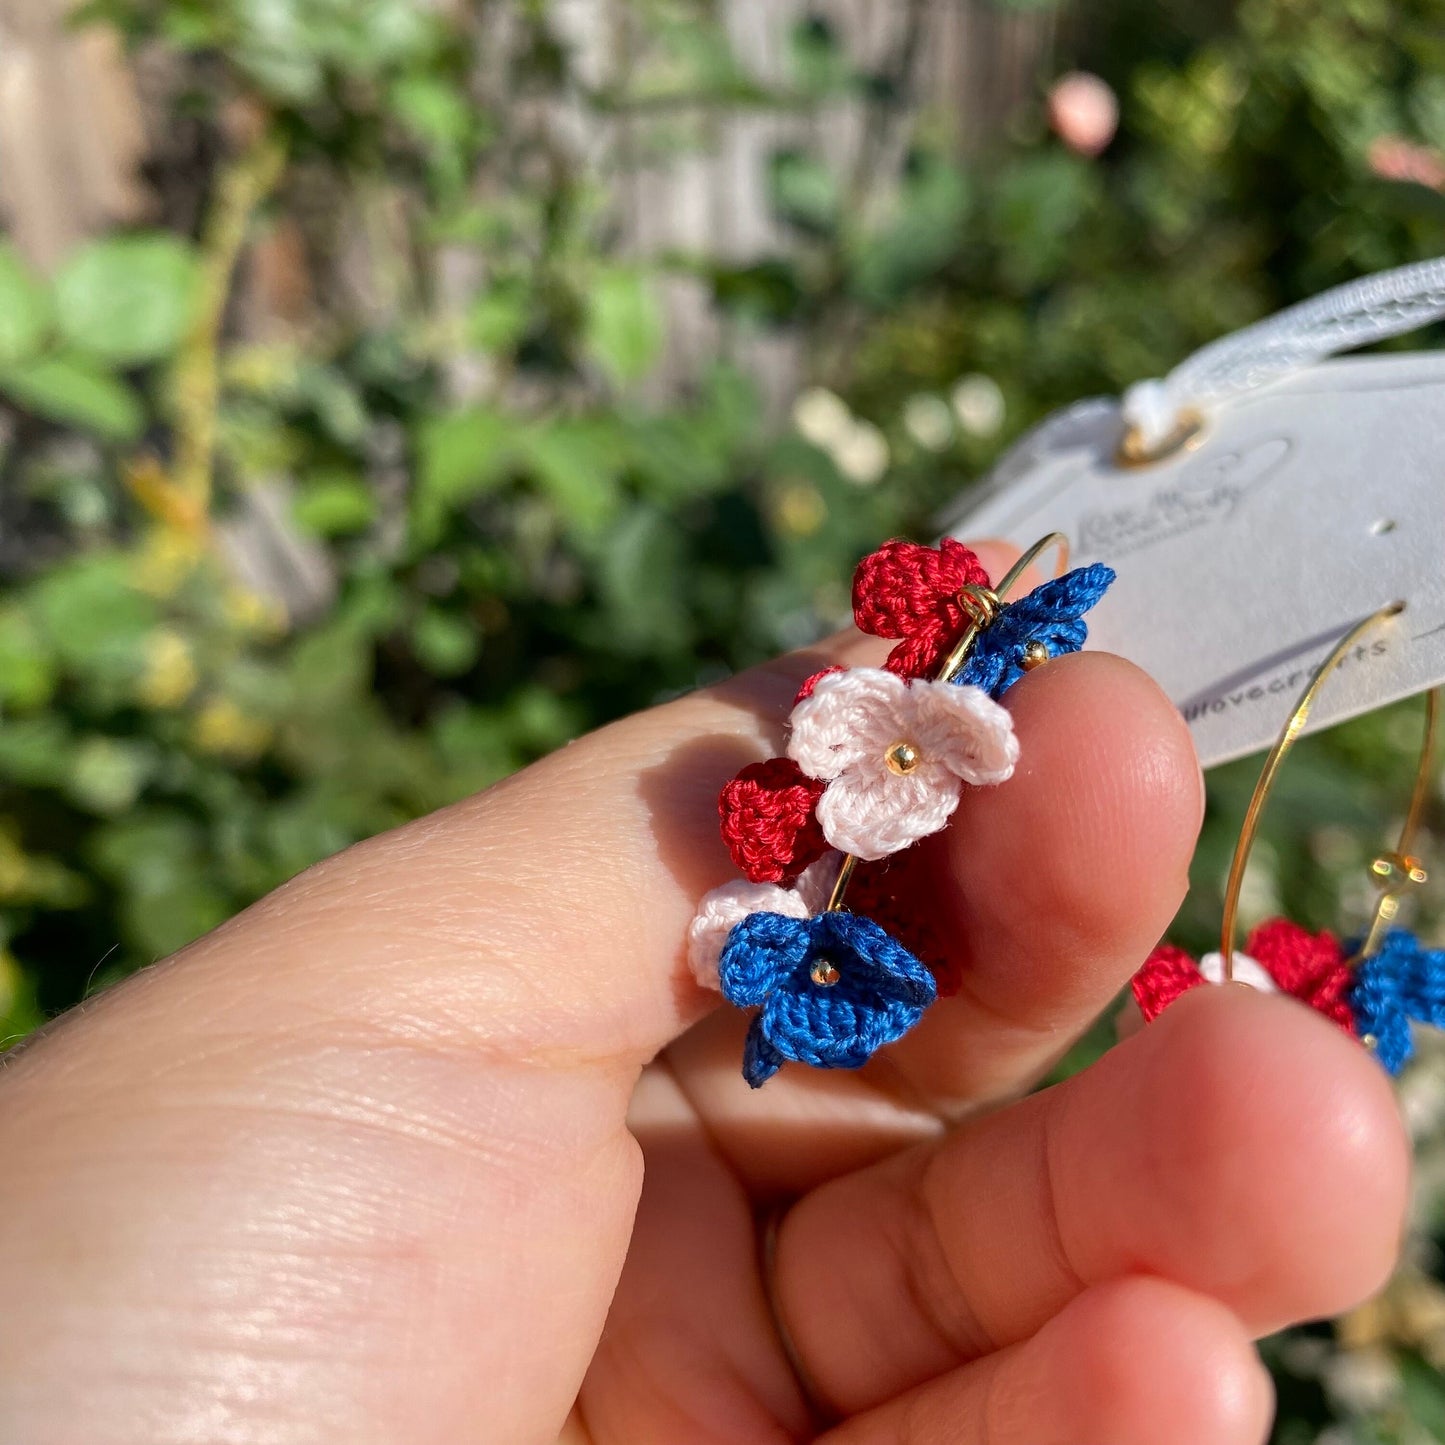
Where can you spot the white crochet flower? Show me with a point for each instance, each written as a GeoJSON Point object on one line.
{"type": "Point", "coordinates": [722, 909]}
{"type": "Point", "coordinates": [1246, 970]}
{"type": "Point", "coordinates": [895, 754]}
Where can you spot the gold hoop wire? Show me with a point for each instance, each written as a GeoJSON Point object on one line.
{"type": "Point", "coordinates": [1396, 872]}
{"type": "Point", "coordinates": [983, 604]}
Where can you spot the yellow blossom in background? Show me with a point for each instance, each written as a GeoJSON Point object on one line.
{"type": "Point", "coordinates": [251, 613]}
{"type": "Point", "coordinates": [164, 499]}
{"type": "Point", "coordinates": [170, 671]}
{"type": "Point", "coordinates": [798, 509]}
{"type": "Point", "coordinates": [165, 560]}
{"type": "Point", "coordinates": [14, 868]}
{"type": "Point", "coordinates": [261, 368]}
{"type": "Point", "coordinates": [223, 729]}
{"type": "Point", "coordinates": [1409, 1313]}
{"type": "Point", "coordinates": [10, 982]}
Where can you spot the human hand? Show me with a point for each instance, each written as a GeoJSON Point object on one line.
{"type": "Point", "coordinates": [364, 1164]}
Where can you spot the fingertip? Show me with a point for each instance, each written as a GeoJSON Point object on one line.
{"type": "Point", "coordinates": [1082, 858]}
{"type": "Point", "coordinates": [1133, 1361]}
{"type": "Point", "coordinates": [1140, 1358]}
{"type": "Point", "coordinates": [1276, 1144]}
{"type": "Point", "coordinates": [1092, 723]}
{"type": "Point", "coordinates": [1049, 890]}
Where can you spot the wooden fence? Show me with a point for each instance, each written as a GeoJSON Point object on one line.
{"type": "Point", "coordinates": [73, 132]}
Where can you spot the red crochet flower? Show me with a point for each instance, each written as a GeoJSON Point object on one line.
{"type": "Point", "coordinates": [902, 590]}
{"type": "Point", "coordinates": [809, 683]}
{"type": "Point", "coordinates": [768, 821]}
{"type": "Point", "coordinates": [1308, 966]}
{"type": "Point", "coordinates": [880, 891]}
{"type": "Point", "coordinates": [1168, 972]}
{"type": "Point", "coordinates": [911, 592]}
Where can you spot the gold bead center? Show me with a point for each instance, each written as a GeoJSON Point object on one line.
{"type": "Point", "coordinates": [1036, 654]}
{"type": "Point", "coordinates": [823, 973]}
{"type": "Point", "coordinates": [902, 758]}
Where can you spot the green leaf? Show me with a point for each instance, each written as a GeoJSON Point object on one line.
{"type": "Point", "coordinates": [577, 463]}
{"type": "Point", "coordinates": [35, 752]}
{"type": "Point", "coordinates": [462, 455]}
{"type": "Point", "coordinates": [107, 775]}
{"type": "Point", "coordinates": [74, 391]}
{"type": "Point", "coordinates": [24, 308]}
{"type": "Point", "coordinates": [918, 238]}
{"type": "Point", "coordinates": [500, 316]}
{"type": "Point", "coordinates": [159, 860]}
{"type": "Point", "coordinates": [94, 618]}
{"type": "Point", "coordinates": [804, 191]}
{"type": "Point", "coordinates": [335, 506]}
{"type": "Point", "coordinates": [624, 329]}
{"type": "Point", "coordinates": [770, 291]}
{"type": "Point", "coordinates": [336, 402]}
{"type": "Point", "coordinates": [289, 47]}
{"type": "Point", "coordinates": [432, 110]}
{"type": "Point", "coordinates": [642, 576]}
{"type": "Point", "coordinates": [19, 1010]}
{"type": "Point", "coordinates": [27, 673]}
{"type": "Point", "coordinates": [128, 299]}
{"type": "Point", "coordinates": [820, 64]}
{"type": "Point", "coordinates": [540, 719]}
{"type": "Point", "coordinates": [474, 746]}
{"type": "Point", "coordinates": [1037, 209]}
{"type": "Point", "coordinates": [1425, 1395]}
{"type": "Point", "coordinates": [445, 644]}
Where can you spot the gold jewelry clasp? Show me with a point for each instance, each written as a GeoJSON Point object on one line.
{"type": "Point", "coordinates": [1133, 451]}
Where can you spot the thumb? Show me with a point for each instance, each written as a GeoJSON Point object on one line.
{"type": "Point", "coordinates": [355, 1166]}
{"type": "Point", "coordinates": [546, 917]}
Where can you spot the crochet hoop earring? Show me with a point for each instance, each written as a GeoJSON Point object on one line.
{"type": "Point", "coordinates": [1386, 979]}
{"type": "Point", "coordinates": [877, 759]}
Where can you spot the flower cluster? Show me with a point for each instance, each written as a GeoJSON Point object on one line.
{"type": "Point", "coordinates": [1376, 1000]}
{"type": "Point", "coordinates": [877, 759]}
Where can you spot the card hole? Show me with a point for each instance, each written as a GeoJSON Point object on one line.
{"type": "Point", "coordinates": [1383, 525]}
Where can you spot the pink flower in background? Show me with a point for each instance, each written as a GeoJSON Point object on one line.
{"type": "Point", "coordinates": [1084, 112]}
{"type": "Point", "coordinates": [1393, 158]}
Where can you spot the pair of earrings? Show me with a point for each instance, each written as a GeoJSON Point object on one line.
{"type": "Point", "coordinates": [815, 938]}
{"type": "Point", "coordinates": [877, 759]}
{"type": "Point", "coordinates": [1377, 987]}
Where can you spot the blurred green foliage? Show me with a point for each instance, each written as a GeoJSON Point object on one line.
{"type": "Point", "coordinates": [513, 560]}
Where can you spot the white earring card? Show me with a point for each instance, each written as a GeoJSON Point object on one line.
{"type": "Point", "coordinates": [1300, 508]}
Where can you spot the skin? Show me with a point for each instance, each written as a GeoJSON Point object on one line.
{"type": "Point", "coordinates": [439, 1143]}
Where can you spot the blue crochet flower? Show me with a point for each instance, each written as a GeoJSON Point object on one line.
{"type": "Point", "coordinates": [1052, 614]}
{"type": "Point", "coordinates": [1399, 984]}
{"type": "Point", "coordinates": [829, 990]}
